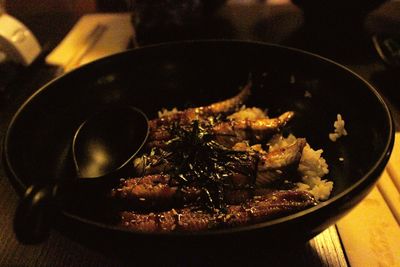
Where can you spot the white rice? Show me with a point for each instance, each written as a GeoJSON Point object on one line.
{"type": "Point", "coordinates": [248, 113]}
{"type": "Point", "coordinates": [339, 129]}
{"type": "Point", "coordinates": [278, 141]}
{"type": "Point", "coordinates": [312, 168]}
{"type": "Point", "coordinates": [165, 112]}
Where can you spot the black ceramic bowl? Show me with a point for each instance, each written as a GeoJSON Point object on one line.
{"type": "Point", "coordinates": [37, 143]}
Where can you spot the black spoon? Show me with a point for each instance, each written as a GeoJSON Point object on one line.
{"type": "Point", "coordinates": [101, 147]}
{"type": "Point", "coordinates": [107, 141]}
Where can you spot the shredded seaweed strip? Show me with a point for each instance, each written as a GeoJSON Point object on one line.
{"type": "Point", "coordinates": [197, 159]}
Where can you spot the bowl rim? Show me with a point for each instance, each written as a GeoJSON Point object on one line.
{"type": "Point", "coordinates": [366, 179]}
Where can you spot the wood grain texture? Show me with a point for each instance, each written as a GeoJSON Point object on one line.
{"type": "Point", "coordinates": [390, 194]}
{"type": "Point", "coordinates": [328, 247]}
{"type": "Point", "coordinates": [371, 234]}
{"type": "Point", "coordinates": [393, 166]}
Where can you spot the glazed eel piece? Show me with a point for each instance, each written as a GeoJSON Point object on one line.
{"type": "Point", "coordinates": [188, 115]}
{"type": "Point", "coordinates": [154, 190]}
{"type": "Point", "coordinates": [254, 210]}
{"type": "Point", "coordinates": [159, 189]}
{"type": "Point", "coordinates": [230, 132]}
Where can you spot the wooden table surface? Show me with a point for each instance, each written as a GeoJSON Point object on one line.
{"type": "Point", "coordinates": [60, 250]}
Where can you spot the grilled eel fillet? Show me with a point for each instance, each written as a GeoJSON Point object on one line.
{"type": "Point", "coordinates": [257, 209]}
{"type": "Point", "coordinates": [160, 190]}
{"type": "Point", "coordinates": [188, 115]}
{"type": "Point", "coordinates": [230, 132]}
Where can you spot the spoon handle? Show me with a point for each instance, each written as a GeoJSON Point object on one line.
{"type": "Point", "coordinates": [35, 214]}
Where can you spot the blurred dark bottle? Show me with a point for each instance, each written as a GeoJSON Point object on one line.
{"type": "Point", "coordinates": [333, 25]}
{"type": "Point", "coordinates": [171, 20]}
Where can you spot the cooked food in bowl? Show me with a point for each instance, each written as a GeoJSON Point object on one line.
{"type": "Point", "coordinates": [197, 74]}
{"type": "Point", "coordinates": [218, 166]}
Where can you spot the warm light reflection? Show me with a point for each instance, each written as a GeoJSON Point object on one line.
{"type": "Point", "coordinates": [278, 2]}
{"type": "Point", "coordinates": [98, 160]}
{"type": "Point", "coordinates": [269, 2]}
{"type": "Point", "coordinates": [99, 157]}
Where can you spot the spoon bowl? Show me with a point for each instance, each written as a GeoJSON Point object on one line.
{"type": "Point", "coordinates": [106, 142]}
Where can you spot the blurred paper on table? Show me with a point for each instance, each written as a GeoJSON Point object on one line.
{"type": "Point", "coordinates": [94, 36]}
{"type": "Point", "coordinates": [389, 183]}
{"type": "Point", "coordinates": [394, 163]}
{"type": "Point", "coordinates": [370, 234]}
{"type": "Point", "coordinates": [371, 231]}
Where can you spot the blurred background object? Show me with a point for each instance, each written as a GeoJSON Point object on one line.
{"type": "Point", "coordinates": [331, 26]}
{"type": "Point", "coordinates": [94, 36]}
{"type": "Point", "coordinates": [17, 42]}
{"type": "Point", "coordinates": [50, 20]}
{"type": "Point", "coordinates": [385, 19]}
{"type": "Point", "coordinates": [18, 47]}
{"type": "Point", "coordinates": [169, 20]}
